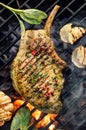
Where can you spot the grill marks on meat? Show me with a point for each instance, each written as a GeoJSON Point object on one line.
{"type": "Point", "coordinates": [38, 61]}
{"type": "Point", "coordinates": [36, 71]}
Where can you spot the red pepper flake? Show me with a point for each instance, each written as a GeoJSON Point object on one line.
{"type": "Point", "coordinates": [48, 94]}
{"type": "Point", "coordinates": [42, 47]}
{"type": "Point", "coordinates": [44, 88]}
{"type": "Point", "coordinates": [48, 87]}
{"type": "Point", "coordinates": [52, 93]}
{"type": "Point", "coordinates": [56, 80]}
{"type": "Point", "coordinates": [34, 52]}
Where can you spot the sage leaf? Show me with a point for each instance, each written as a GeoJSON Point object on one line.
{"type": "Point", "coordinates": [32, 16]}
{"type": "Point", "coordinates": [21, 119]}
{"type": "Point", "coordinates": [22, 27]}
{"type": "Point", "coordinates": [30, 20]}
{"type": "Point", "coordinates": [35, 14]}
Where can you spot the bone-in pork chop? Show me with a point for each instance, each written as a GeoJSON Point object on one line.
{"type": "Point", "coordinates": [36, 71]}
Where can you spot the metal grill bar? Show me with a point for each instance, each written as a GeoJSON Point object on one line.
{"type": "Point", "coordinates": [73, 72]}
{"type": "Point", "coordinates": [9, 31]}
{"type": "Point", "coordinates": [73, 14]}
{"type": "Point", "coordinates": [7, 4]}
{"type": "Point", "coordinates": [33, 125]}
{"type": "Point", "coordinates": [77, 113]}
{"type": "Point", "coordinates": [25, 3]}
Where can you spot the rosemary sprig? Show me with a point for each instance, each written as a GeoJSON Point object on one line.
{"type": "Point", "coordinates": [31, 16]}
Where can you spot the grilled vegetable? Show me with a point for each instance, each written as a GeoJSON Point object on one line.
{"type": "Point", "coordinates": [79, 57]}
{"type": "Point", "coordinates": [36, 71]}
{"type": "Point", "coordinates": [71, 34]}
{"type": "Point", "coordinates": [6, 108]}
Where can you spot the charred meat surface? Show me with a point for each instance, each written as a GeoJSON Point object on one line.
{"type": "Point", "coordinates": [36, 71]}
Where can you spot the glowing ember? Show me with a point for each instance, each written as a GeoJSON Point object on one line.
{"type": "Point", "coordinates": [30, 106]}
{"type": "Point", "coordinates": [52, 127]}
{"type": "Point", "coordinates": [46, 120]}
{"type": "Point", "coordinates": [17, 104]}
{"type": "Point", "coordinates": [37, 115]}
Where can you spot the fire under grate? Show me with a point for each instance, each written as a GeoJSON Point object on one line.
{"type": "Point", "coordinates": [73, 113]}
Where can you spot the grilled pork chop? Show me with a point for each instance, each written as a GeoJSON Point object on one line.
{"type": "Point", "coordinates": [36, 70]}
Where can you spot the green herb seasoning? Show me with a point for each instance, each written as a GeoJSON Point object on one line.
{"type": "Point", "coordinates": [41, 74]}
{"type": "Point", "coordinates": [20, 71]}
{"type": "Point", "coordinates": [35, 75]}
{"type": "Point", "coordinates": [29, 67]}
{"type": "Point", "coordinates": [28, 54]}
{"type": "Point", "coordinates": [54, 78]}
{"type": "Point", "coordinates": [32, 81]}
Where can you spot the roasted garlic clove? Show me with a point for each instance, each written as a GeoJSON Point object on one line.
{"type": "Point", "coordinates": [5, 99]}
{"type": "Point", "coordinates": [1, 94]}
{"type": "Point", "coordinates": [80, 54]}
{"type": "Point", "coordinates": [71, 34]}
{"type": "Point", "coordinates": [2, 122]}
{"type": "Point", "coordinates": [6, 116]}
{"type": "Point", "coordinates": [79, 57]}
{"type": "Point", "coordinates": [84, 61]}
{"type": "Point", "coordinates": [6, 108]}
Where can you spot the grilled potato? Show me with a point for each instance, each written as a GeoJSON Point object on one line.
{"type": "Point", "coordinates": [6, 108]}
{"type": "Point", "coordinates": [36, 71]}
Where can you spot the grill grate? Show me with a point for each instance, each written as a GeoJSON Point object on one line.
{"type": "Point", "coordinates": [9, 25]}
{"type": "Point", "coordinates": [74, 93]}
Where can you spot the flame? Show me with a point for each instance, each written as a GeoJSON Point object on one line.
{"type": "Point", "coordinates": [37, 114]}
{"type": "Point", "coordinates": [17, 104]}
{"type": "Point", "coordinates": [46, 120]}
{"type": "Point", "coordinates": [30, 106]}
{"type": "Point", "coordinates": [52, 127]}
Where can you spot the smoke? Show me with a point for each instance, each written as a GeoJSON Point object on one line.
{"type": "Point", "coordinates": [74, 104]}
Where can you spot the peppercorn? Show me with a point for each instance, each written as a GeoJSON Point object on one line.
{"type": "Point", "coordinates": [34, 52]}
